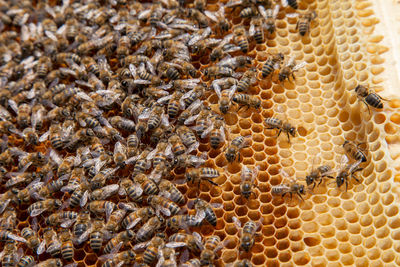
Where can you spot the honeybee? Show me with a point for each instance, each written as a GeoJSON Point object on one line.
{"type": "Point", "coordinates": [115, 219]}
{"type": "Point", "coordinates": [9, 256]}
{"type": "Point", "coordinates": [174, 103]}
{"type": "Point", "coordinates": [160, 203]}
{"type": "Point", "coordinates": [289, 69]}
{"type": "Point", "coordinates": [19, 178]}
{"type": "Point", "coordinates": [132, 145]}
{"type": "Point", "coordinates": [248, 233]}
{"type": "Point", "coordinates": [198, 16]}
{"type": "Point", "coordinates": [248, 12]}
{"type": "Point", "coordinates": [270, 17]}
{"type": "Point", "coordinates": [64, 218]}
{"type": "Point", "coordinates": [211, 246]}
{"type": "Point", "coordinates": [91, 65]}
{"type": "Point", "coordinates": [97, 234]}
{"type": "Point", "coordinates": [120, 239]}
{"type": "Point", "coordinates": [64, 57]}
{"type": "Point", "coordinates": [26, 261]}
{"type": "Point", "coordinates": [282, 126]}
{"type": "Point", "coordinates": [188, 138]}
{"type": "Point", "coordinates": [43, 66]}
{"type": "Point", "coordinates": [178, 222]}
{"type": "Point", "coordinates": [8, 236]}
{"type": "Point", "coordinates": [51, 241]}
{"type": "Point", "coordinates": [8, 219]}
{"type": "Point", "coordinates": [369, 97]}
{"type": "Point", "coordinates": [223, 48]}
{"type": "Point", "coordinates": [119, 154]}
{"type": "Point", "coordinates": [247, 100]}
{"type": "Point", "coordinates": [216, 131]}
{"type": "Point", "coordinates": [147, 185]}
{"type": "Point", "coordinates": [248, 176]}
{"type": "Point", "coordinates": [355, 151]}
{"type": "Point", "coordinates": [219, 18]}
{"type": "Point", "coordinates": [31, 237]}
{"type": "Point", "coordinates": [191, 241]}
{"type": "Point", "coordinates": [225, 97]}
{"type": "Point", "coordinates": [50, 188]}
{"type": "Point", "coordinates": [241, 38]}
{"type": "Point", "coordinates": [23, 115]}
{"type": "Point", "coordinates": [152, 248]}
{"type": "Point", "coordinates": [101, 207]}
{"type": "Point", "coordinates": [100, 179]}
{"type": "Point", "coordinates": [199, 174]}
{"type": "Point", "coordinates": [67, 248]}
{"type": "Point", "coordinates": [167, 257]}
{"type": "Point", "coordinates": [292, 3]}
{"type": "Point", "coordinates": [216, 71]}
{"type": "Point", "coordinates": [272, 63]}
{"type": "Point", "coordinates": [125, 257]}
{"type": "Point", "coordinates": [7, 127]}
{"type": "Point", "coordinates": [141, 214]}
{"type": "Point", "coordinates": [303, 24]}
{"type": "Point", "coordinates": [204, 210]}
{"type": "Point", "coordinates": [133, 190]}
{"type": "Point", "coordinates": [149, 228]}
{"type": "Point", "coordinates": [289, 188]}
{"type": "Point", "coordinates": [318, 174]}
{"type": "Point", "coordinates": [169, 190]}
{"type": "Point", "coordinates": [39, 207]}
{"type": "Point", "coordinates": [233, 150]}
{"type": "Point", "coordinates": [104, 192]}
{"type": "Point", "coordinates": [30, 136]}
{"type": "Point", "coordinates": [248, 78]}
{"type": "Point", "coordinates": [34, 159]}
{"type": "Point", "coordinates": [346, 170]}
{"type": "Point", "coordinates": [156, 117]}
{"type": "Point", "coordinates": [50, 263]}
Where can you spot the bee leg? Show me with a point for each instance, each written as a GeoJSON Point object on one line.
{"type": "Point", "coordinates": [211, 182]}
{"type": "Point", "coordinates": [297, 25]}
{"type": "Point", "coordinates": [280, 130]}
{"type": "Point", "coordinates": [288, 137]}
{"type": "Point", "coordinates": [294, 78]}
{"type": "Point", "coordinates": [320, 181]}
{"type": "Point", "coordinates": [300, 196]}
{"type": "Point", "coordinates": [314, 186]}
{"type": "Point", "coordinates": [369, 110]}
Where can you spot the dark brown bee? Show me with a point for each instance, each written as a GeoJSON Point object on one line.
{"type": "Point", "coordinates": [355, 151]}
{"type": "Point", "coordinates": [248, 78]}
{"type": "Point", "coordinates": [219, 18]}
{"type": "Point", "coordinates": [152, 248]}
{"type": "Point", "coordinates": [204, 210]}
{"type": "Point", "coordinates": [198, 174]}
{"type": "Point", "coordinates": [369, 97]}
{"type": "Point", "coordinates": [211, 246]}
{"type": "Point", "coordinates": [284, 126]}
{"type": "Point", "coordinates": [303, 24]}
{"type": "Point", "coordinates": [241, 38]}
{"type": "Point", "coordinates": [272, 63]}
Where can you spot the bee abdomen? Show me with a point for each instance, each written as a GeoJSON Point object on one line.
{"type": "Point", "coordinates": [149, 255]}
{"type": "Point", "coordinates": [26, 261]}
{"type": "Point", "coordinates": [267, 68]}
{"type": "Point", "coordinates": [67, 251]}
{"type": "Point", "coordinates": [96, 241]}
{"type": "Point", "coordinates": [215, 139]}
{"type": "Point", "coordinates": [259, 37]}
{"type": "Point", "coordinates": [303, 28]}
{"type": "Point", "coordinates": [173, 74]}
{"type": "Point", "coordinates": [374, 101]}
{"type": "Point", "coordinates": [173, 110]}
{"type": "Point", "coordinates": [244, 45]}
{"type": "Point", "coordinates": [273, 122]}
{"type": "Point", "coordinates": [150, 188]}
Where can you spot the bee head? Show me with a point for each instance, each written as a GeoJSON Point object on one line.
{"type": "Point", "coordinates": [292, 131]}
{"type": "Point", "coordinates": [302, 190]}
{"type": "Point", "coordinates": [309, 179]}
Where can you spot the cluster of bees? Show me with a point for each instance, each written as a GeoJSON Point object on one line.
{"type": "Point", "coordinates": [103, 99]}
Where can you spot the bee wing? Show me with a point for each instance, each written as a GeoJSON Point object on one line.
{"type": "Point", "coordinates": [54, 156]}
{"type": "Point", "coordinates": [252, 29]}
{"type": "Point", "coordinates": [127, 206]}
{"type": "Point", "coordinates": [255, 173]}
{"type": "Point", "coordinates": [13, 105]}
{"type": "Point", "coordinates": [84, 236]}
{"type": "Point", "coordinates": [132, 69]}
{"type": "Point", "coordinates": [36, 212]}
{"type": "Point", "coordinates": [299, 66]}
{"type": "Point", "coordinates": [343, 161]}
{"type": "Point", "coordinates": [191, 119]}
{"type": "Point", "coordinates": [232, 91]}
{"type": "Point", "coordinates": [133, 223]}
{"type": "Point", "coordinates": [84, 198]}
{"type": "Point", "coordinates": [107, 256]}
{"type": "Point", "coordinates": [168, 151]}
{"type": "Point", "coordinates": [262, 11]}
{"type": "Point", "coordinates": [41, 248]}
{"type": "Point", "coordinates": [216, 88]}
{"type": "Point", "coordinates": [151, 154]}
{"type": "Point", "coordinates": [109, 190]}
{"type": "Point", "coordinates": [207, 131]}
{"type": "Point", "coordinates": [54, 246]}
{"type": "Point", "coordinates": [4, 205]}
{"type": "Point", "coordinates": [200, 215]}
{"type": "Point", "coordinates": [237, 223]}
{"type": "Point", "coordinates": [354, 166]}
{"type": "Point", "coordinates": [141, 246]}
{"type": "Point", "coordinates": [164, 99]}
{"type": "Point", "coordinates": [284, 3]}
{"type": "Point", "coordinates": [122, 191]}
{"type": "Point", "coordinates": [116, 248]}
{"type": "Point", "coordinates": [164, 120]}
{"type": "Point", "coordinates": [292, 15]}
{"type": "Point", "coordinates": [217, 205]}
{"type": "Point", "coordinates": [244, 172]}
{"type": "Point", "coordinates": [276, 11]}
{"type": "Point", "coordinates": [67, 223]}
{"type": "Point", "coordinates": [233, 3]}
{"type": "Point", "coordinates": [175, 244]}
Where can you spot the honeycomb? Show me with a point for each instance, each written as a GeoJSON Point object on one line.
{"type": "Point", "coordinates": [332, 227]}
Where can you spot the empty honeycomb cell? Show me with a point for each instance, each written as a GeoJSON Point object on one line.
{"type": "Point", "coordinates": [285, 256]}
{"type": "Point", "coordinates": [332, 255]}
